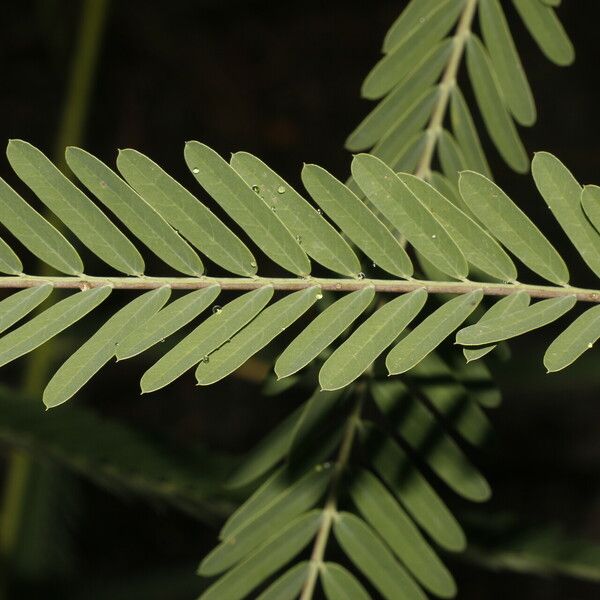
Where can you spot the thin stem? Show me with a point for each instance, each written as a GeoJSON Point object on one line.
{"type": "Point", "coordinates": [77, 102]}
{"type": "Point", "coordinates": [330, 508]}
{"type": "Point", "coordinates": [446, 84]}
{"type": "Point", "coordinates": [392, 286]}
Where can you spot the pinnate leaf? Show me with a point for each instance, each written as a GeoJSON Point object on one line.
{"type": "Point", "coordinates": [339, 584]}
{"type": "Point", "coordinates": [185, 213]}
{"type": "Point", "coordinates": [89, 358]}
{"type": "Point", "coordinates": [74, 208]}
{"type": "Point", "coordinates": [509, 225]}
{"type": "Point", "coordinates": [49, 323]}
{"type": "Point", "coordinates": [429, 334]}
{"type": "Point", "coordinates": [36, 234]}
{"type": "Point", "coordinates": [562, 193]}
{"type": "Point", "coordinates": [255, 336]}
{"type": "Point", "coordinates": [369, 340]}
{"type": "Point", "coordinates": [379, 508]}
{"type": "Point", "coordinates": [504, 306]}
{"type": "Point", "coordinates": [167, 321]}
{"type": "Point", "coordinates": [270, 556]}
{"type": "Point", "coordinates": [507, 326]}
{"type": "Point", "coordinates": [371, 556]}
{"type": "Point", "coordinates": [322, 331]}
{"type": "Point", "coordinates": [244, 206]}
{"type": "Point", "coordinates": [546, 30]}
{"type": "Point", "coordinates": [9, 261]}
{"type": "Point", "coordinates": [356, 220]}
{"type": "Point", "coordinates": [316, 236]}
{"type": "Point", "coordinates": [139, 217]}
{"type": "Point", "coordinates": [399, 205]}
{"type": "Point", "coordinates": [578, 337]}
{"type": "Point", "coordinates": [20, 304]}
{"type": "Point", "coordinates": [207, 337]}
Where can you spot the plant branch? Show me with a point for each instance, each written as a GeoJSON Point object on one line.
{"type": "Point", "coordinates": [392, 286]}
{"type": "Point", "coordinates": [446, 84]}
{"type": "Point", "coordinates": [330, 508]}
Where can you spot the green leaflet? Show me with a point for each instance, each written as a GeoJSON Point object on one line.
{"type": "Point", "coordinates": [186, 213]}
{"type": "Point", "coordinates": [340, 584]}
{"type": "Point", "coordinates": [451, 157]}
{"type": "Point", "coordinates": [20, 304]}
{"type": "Point", "coordinates": [420, 429]}
{"type": "Point", "coordinates": [371, 556]}
{"type": "Point", "coordinates": [430, 333]}
{"type": "Point", "coordinates": [206, 338]}
{"type": "Point", "coordinates": [74, 208]}
{"type": "Point", "coordinates": [271, 449]}
{"type": "Point", "coordinates": [477, 246]}
{"type": "Point", "coordinates": [393, 143]}
{"type": "Point", "coordinates": [49, 323]}
{"type": "Point", "coordinates": [379, 508]}
{"type": "Point", "coordinates": [255, 336]}
{"type": "Point", "coordinates": [275, 485]}
{"type": "Point", "coordinates": [505, 306]}
{"type": "Point", "coordinates": [395, 201]}
{"type": "Point", "coordinates": [316, 236]}
{"type": "Point", "coordinates": [409, 18]}
{"type": "Point", "coordinates": [508, 326]}
{"type": "Point", "coordinates": [266, 559]}
{"type": "Point", "coordinates": [279, 481]}
{"type": "Point", "coordinates": [89, 358]}
{"type": "Point", "coordinates": [36, 234]}
{"type": "Point", "coordinates": [167, 321]}
{"type": "Point", "coordinates": [322, 331]}
{"type": "Point", "coordinates": [477, 379]}
{"type": "Point", "coordinates": [397, 103]}
{"type": "Point", "coordinates": [497, 120]}
{"type": "Point", "coordinates": [506, 62]}
{"type": "Point", "coordinates": [136, 214]}
{"type": "Point", "coordinates": [563, 194]}
{"type": "Point", "coordinates": [578, 337]}
{"type": "Point", "coordinates": [590, 201]}
{"type": "Point", "coordinates": [295, 500]}
{"type": "Point", "coordinates": [9, 261]}
{"type": "Point", "coordinates": [450, 191]}
{"type": "Point", "coordinates": [354, 218]}
{"type": "Point", "coordinates": [471, 354]}
{"type": "Point", "coordinates": [241, 203]}
{"type": "Point", "coordinates": [547, 31]}
{"type": "Point", "coordinates": [289, 585]}
{"type": "Point", "coordinates": [322, 409]}
{"type": "Point", "coordinates": [369, 340]}
{"type": "Point", "coordinates": [404, 479]}
{"type": "Point", "coordinates": [437, 383]}
{"type": "Point", "coordinates": [426, 32]}
{"type": "Point", "coordinates": [408, 156]}
{"type": "Point", "coordinates": [466, 133]}
{"type": "Point", "coordinates": [511, 227]}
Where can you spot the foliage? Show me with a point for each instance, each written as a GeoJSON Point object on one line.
{"type": "Point", "coordinates": [420, 230]}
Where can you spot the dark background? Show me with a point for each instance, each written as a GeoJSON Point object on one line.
{"type": "Point", "coordinates": [282, 81]}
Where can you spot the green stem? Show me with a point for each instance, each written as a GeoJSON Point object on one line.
{"type": "Point", "coordinates": [83, 70]}
{"type": "Point", "coordinates": [446, 84]}
{"type": "Point", "coordinates": [330, 508]}
{"type": "Point", "coordinates": [76, 106]}
{"type": "Point", "coordinates": [15, 486]}
{"type": "Point", "coordinates": [392, 286]}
